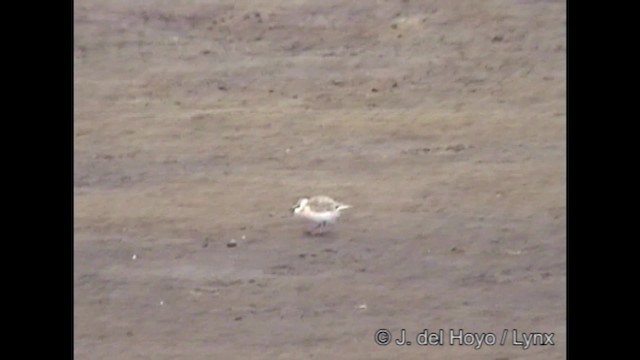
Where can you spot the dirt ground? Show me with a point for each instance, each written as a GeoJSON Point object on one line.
{"type": "Point", "coordinates": [196, 122]}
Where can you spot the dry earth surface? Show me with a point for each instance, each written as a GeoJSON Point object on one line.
{"type": "Point", "coordinates": [196, 122]}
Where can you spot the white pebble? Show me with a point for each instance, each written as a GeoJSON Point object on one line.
{"type": "Point", "coordinates": [134, 257]}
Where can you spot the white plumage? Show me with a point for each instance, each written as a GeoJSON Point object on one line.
{"type": "Point", "coordinates": [319, 211]}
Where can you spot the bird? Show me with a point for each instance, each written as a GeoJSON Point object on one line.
{"type": "Point", "coordinates": [319, 211]}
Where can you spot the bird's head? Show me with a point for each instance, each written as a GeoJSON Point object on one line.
{"type": "Point", "coordinates": [297, 208]}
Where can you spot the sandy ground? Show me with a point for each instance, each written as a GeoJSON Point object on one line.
{"type": "Point", "coordinates": [196, 122]}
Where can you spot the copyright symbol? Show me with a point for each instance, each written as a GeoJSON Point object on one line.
{"type": "Point", "coordinates": [382, 337]}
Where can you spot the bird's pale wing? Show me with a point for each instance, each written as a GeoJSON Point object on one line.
{"type": "Point", "coordinates": [322, 204]}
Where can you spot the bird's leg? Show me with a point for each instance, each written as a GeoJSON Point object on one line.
{"type": "Point", "coordinates": [311, 229]}
{"type": "Point", "coordinates": [320, 228]}
{"type": "Point", "coordinates": [323, 227]}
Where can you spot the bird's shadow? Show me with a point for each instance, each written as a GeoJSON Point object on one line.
{"type": "Point", "coordinates": [331, 235]}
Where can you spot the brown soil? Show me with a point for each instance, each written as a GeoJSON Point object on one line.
{"type": "Point", "coordinates": [196, 122]}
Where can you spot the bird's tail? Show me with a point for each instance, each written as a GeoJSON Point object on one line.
{"type": "Point", "coordinates": [343, 207]}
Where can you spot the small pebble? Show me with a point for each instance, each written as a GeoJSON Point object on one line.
{"type": "Point", "coordinates": [134, 257]}
{"type": "Point", "coordinates": [457, 250]}
{"type": "Point", "coordinates": [232, 243]}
